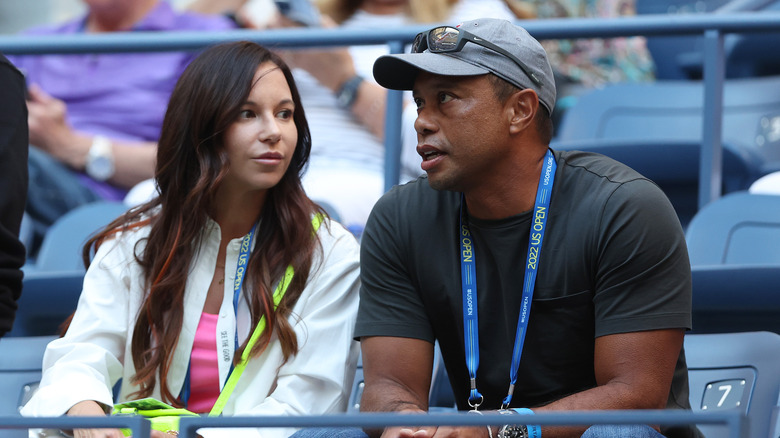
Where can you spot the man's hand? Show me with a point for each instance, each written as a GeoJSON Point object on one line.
{"type": "Point", "coordinates": [50, 131]}
{"type": "Point", "coordinates": [436, 432]}
{"type": "Point", "coordinates": [409, 432]}
{"type": "Point", "coordinates": [158, 434]}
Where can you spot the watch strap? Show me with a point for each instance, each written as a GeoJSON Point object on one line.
{"type": "Point", "coordinates": [347, 94]}
{"type": "Point", "coordinates": [514, 430]}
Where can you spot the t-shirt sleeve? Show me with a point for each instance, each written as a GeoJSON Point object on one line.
{"type": "Point", "coordinates": [643, 272]}
{"type": "Point", "coordinates": [390, 304]}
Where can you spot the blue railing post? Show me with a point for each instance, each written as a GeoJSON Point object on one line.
{"type": "Point", "coordinates": [393, 115]}
{"type": "Point", "coordinates": [711, 158]}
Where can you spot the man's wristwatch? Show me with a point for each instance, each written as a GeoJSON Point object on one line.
{"type": "Point", "coordinates": [508, 431]}
{"type": "Point", "coordinates": [100, 159]}
{"type": "Point", "coordinates": [348, 92]}
{"type": "Point", "coordinates": [511, 431]}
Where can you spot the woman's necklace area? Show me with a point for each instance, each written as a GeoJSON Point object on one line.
{"type": "Point", "coordinates": [222, 269]}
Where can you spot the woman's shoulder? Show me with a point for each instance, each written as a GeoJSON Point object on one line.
{"type": "Point", "coordinates": [333, 234]}
{"type": "Point", "coordinates": [126, 237]}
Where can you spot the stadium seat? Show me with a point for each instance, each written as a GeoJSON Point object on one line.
{"type": "Point", "coordinates": [738, 229]}
{"type": "Point", "coordinates": [47, 299]}
{"type": "Point", "coordinates": [357, 388]}
{"type": "Point", "coordinates": [736, 298]}
{"type": "Point", "coordinates": [61, 247]}
{"type": "Point", "coordinates": [734, 248]}
{"type": "Point", "coordinates": [656, 128]}
{"type": "Point", "coordinates": [747, 54]}
{"type": "Point", "coordinates": [440, 397]}
{"type": "Point", "coordinates": [672, 111]}
{"type": "Point", "coordinates": [20, 371]}
{"type": "Point", "coordinates": [736, 371]}
{"type": "Point", "coordinates": [681, 56]}
{"type": "Point", "coordinates": [678, 56]}
{"type": "Point", "coordinates": [672, 164]}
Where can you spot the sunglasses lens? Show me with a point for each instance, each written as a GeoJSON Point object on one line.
{"type": "Point", "coordinates": [443, 39]}
{"type": "Point", "coordinates": [419, 45]}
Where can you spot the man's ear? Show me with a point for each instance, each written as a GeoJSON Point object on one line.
{"type": "Point", "coordinates": [522, 107]}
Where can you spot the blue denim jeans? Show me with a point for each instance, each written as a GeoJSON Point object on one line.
{"type": "Point", "coordinates": [613, 431]}
{"type": "Point", "coordinates": [330, 432]}
{"type": "Point", "coordinates": [53, 190]}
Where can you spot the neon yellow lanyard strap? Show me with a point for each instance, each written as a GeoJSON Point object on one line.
{"type": "Point", "coordinates": [281, 288]}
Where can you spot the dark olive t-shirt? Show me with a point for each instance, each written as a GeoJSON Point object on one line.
{"type": "Point", "coordinates": [613, 260]}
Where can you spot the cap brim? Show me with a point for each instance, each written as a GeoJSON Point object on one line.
{"type": "Point", "coordinates": [398, 72]}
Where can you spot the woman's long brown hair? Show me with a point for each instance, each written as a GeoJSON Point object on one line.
{"type": "Point", "coordinates": [191, 163]}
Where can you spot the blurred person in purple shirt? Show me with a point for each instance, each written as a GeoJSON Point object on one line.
{"type": "Point", "coordinates": [94, 119]}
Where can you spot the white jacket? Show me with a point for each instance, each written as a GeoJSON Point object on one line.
{"type": "Point", "coordinates": [96, 352]}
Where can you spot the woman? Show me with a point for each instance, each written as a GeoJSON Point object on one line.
{"type": "Point", "coordinates": [170, 301]}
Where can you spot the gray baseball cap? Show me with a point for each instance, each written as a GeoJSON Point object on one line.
{"type": "Point", "coordinates": [398, 72]}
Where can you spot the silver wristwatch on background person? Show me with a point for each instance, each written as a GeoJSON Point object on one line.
{"type": "Point", "coordinates": [347, 93]}
{"type": "Point", "coordinates": [100, 159]}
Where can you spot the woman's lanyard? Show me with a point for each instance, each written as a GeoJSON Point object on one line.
{"type": "Point", "coordinates": [281, 289]}
{"type": "Point", "coordinates": [238, 282]}
{"type": "Point", "coordinates": [468, 274]}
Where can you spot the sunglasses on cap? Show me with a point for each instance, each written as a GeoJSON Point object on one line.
{"type": "Point", "coordinates": [447, 39]}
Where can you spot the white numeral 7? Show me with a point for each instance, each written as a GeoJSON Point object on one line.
{"type": "Point", "coordinates": [726, 390]}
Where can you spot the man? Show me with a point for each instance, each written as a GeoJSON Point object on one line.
{"type": "Point", "coordinates": [606, 314]}
{"type": "Point", "coordinates": [13, 180]}
{"type": "Point", "coordinates": [95, 118]}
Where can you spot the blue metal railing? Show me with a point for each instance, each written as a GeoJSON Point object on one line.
{"type": "Point", "coordinates": [732, 420]}
{"type": "Point", "coordinates": [711, 26]}
{"type": "Point", "coordinates": [139, 426]}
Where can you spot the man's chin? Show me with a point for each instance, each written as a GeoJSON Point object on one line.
{"type": "Point", "coordinates": [437, 182]}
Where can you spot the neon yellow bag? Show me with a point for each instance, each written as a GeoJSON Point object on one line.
{"type": "Point", "coordinates": [163, 417]}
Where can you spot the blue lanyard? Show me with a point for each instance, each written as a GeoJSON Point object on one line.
{"type": "Point", "coordinates": [468, 274]}
{"type": "Point", "coordinates": [243, 261]}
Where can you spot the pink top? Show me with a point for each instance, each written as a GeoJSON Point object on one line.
{"type": "Point", "coordinates": [204, 368]}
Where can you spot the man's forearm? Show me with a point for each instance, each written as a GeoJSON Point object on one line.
{"type": "Point", "coordinates": [387, 397]}
{"type": "Point", "coordinates": [369, 108]}
{"type": "Point", "coordinates": [135, 162]}
{"type": "Point", "coordinates": [612, 396]}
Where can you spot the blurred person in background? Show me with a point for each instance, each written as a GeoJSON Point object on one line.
{"type": "Point", "coordinates": [583, 64]}
{"type": "Point", "coordinates": [13, 180]}
{"type": "Point", "coordinates": [95, 118]}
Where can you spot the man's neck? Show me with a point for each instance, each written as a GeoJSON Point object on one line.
{"type": "Point", "coordinates": [506, 193]}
